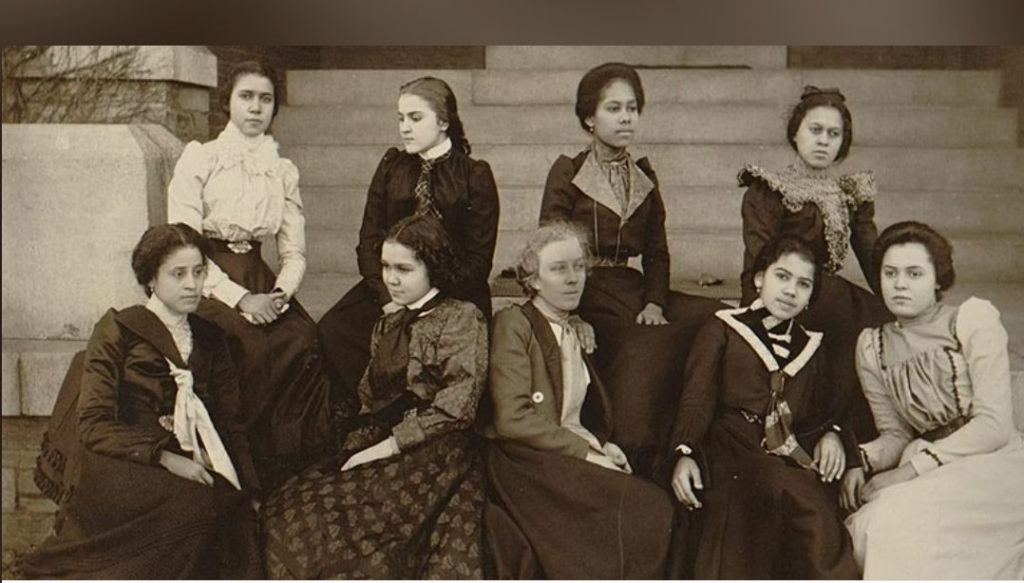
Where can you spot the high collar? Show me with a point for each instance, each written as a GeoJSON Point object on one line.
{"type": "Point", "coordinates": [235, 137]}
{"type": "Point", "coordinates": [438, 150]}
{"type": "Point", "coordinates": [927, 315]}
{"type": "Point", "coordinates": [422, 301]}
{"type": "Point", "coordinates": [800, 167]}
{"type": "Point", "coordinates": [169, 318]}
{"type": "Point", "coordinates": [605, 153]}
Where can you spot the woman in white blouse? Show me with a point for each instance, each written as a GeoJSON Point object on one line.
{"type": "Point", "coordinates": [939, 491]}
{"type": "Point", "coordinates": [237, 191]}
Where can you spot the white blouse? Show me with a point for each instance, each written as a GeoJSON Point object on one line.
{"type": "Point", "coordinates": [238, 188]}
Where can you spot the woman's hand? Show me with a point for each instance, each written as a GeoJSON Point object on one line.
{"type": "Point", "coordinates": [614, 453]}
{"type": "Point", "coordinates": [599, 458]}
{"type": "Point", "coordinates": [685, 480]}
{"type": "Point", "coordinates": [830, 457]}
{"type": "Point", "coordinates": [260, 306]}
{"type": "Point", "coordinates": [885, 479]}
{"type": "Point", "coordinates": [377, 451]}
{"type": "Point", "coordinates": [280, 300]}
{"type": "Point", "coordinates": [652, 314]}
{"type": "Point", "coordinates": [852, 486]}
{"type": "Point", "coordinates": [184, 467]}
{"type": "Point", "coordinates": [585, 332]}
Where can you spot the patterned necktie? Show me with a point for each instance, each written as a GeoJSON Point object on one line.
{"type": "Point", "coordinates": [425, 203]}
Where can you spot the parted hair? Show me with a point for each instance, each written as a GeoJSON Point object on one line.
{"type": "Point", "coordinates": [250, 68]}
{"type": "Point", "coordinates": [528, 264]}
{"type": "Point", "coordinates": [425, 235]}
{"type": "Point", "coordinates": [814, 97]}
{"type": "Point", "coordinates": [940, 250]}
{"type": "Point", "coordinates": [784, 245]}
{"type": "Point", "coordinates": [596, 80]}
{"type": "Point", "coordinates": [442, 100]}
{"type": "Point", "coordinates": [157, 243]}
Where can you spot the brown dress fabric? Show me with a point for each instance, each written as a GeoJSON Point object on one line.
{"type": "Point", "coordinates": [414, 515]}
{"type": "Point", "coordinates": [125, 516]}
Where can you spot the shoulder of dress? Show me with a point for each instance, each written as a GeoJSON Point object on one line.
{"type": "Point", "coordinates": [197, 156]}
{"type": "Point", "coordinates": [860, 186]}
{"type": "Point", "coordinates": [752, 173]}
{"type": "Point", "coordinates": [976, 313]}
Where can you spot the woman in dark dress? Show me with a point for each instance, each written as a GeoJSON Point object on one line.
{"type": "Point", "coordinates": [563, 505]}
{"type": "Point", "coordinates": [643, 329]}
{"type": "Point", "coordinates": [404, 499]}
{"type": "Point", "coordinates": [755, 437]}
{"type": "Point", "coordinates": [432, 174]}
{"type": "Point", "coordinates": [148, 499]}
{"type": "Point", "coordinates": [237, 190]}
{"type": "Point", "coordinates": [828, 210]}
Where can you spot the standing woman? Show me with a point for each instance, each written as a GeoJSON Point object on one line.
{"type": "Point", "coordinates": [237, 190]}
{"type": "Point", "coordinates": [404, 500]}
{"type": "Point", "coordinates": [643, 329]}
{"type": "Point", "coordinates": [164, 486]}
{"type": "Point", "coordinates": [432, 174]}
{"type": "Point", "coordinates": [945, 476]}
{"type": "Point", "coordinates": [830, 211]}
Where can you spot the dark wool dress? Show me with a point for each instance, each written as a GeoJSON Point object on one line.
{"type": "Point", "coordinates": [123, 515]}
{"type": "Point", "coordinates": [551, 513]}
{"type": "Point", "coordinates": [829, 213]}
{"type": "Point", "coordinates": [415, 515]}
{"type": "Point", "coordinates": [466, 196]}
{"type": "Point", "coordinates": [763, 516]}
{"type": "Point", "coordinates": [641, 365]}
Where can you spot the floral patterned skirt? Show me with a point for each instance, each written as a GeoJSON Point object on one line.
{"type": "Point", "coordinates": [416, 515]}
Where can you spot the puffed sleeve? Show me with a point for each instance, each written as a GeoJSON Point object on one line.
{"type": "Point", "coordinates": [863, 232]}
{"type": "Point", "coordinates": [374, 228]}
{"type": "Point", "coordinates": [984, 342]}
{"type": "Point", "coordinates": [291, 236]}
{"type": "Point", "coordinates": [515, 416]}
{"type": "Point", "coordinates": [894, 433]}
{"type": "Point", "coordinates": [762, 213]}
{"type": "Point", "coordinates": [558, 200]}
{"type": "Point", "coordinates": [482, 230]}
{"type": "Point", "coordinates": [655, 260]}
{"type": "Point", "coordinates": [227, 412]}
{"type": "Point", "coordinates": [459, 365]}
{"type": "Point", "coordinates": [185, 205]}
{"type": "Point", "coordinates": [98, 426]}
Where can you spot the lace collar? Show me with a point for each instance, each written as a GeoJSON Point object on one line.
{"type": "Point", "coordinates": [258, 155]}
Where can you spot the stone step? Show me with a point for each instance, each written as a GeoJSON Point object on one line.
{"type": "Point", "coordinates": [918, 126]}
{"type": "Point", "coordinates": [704, 207]}
{"type": "Point", "coordinates": [780, 87]}
{"type": "Point", "coordinates": [33, 371]}
{"type": "Point", "coordinates": [902, 168]}
{"type": "Point", "coordinates": [584, 57]}
{"type": "Point", "coordinates": [980, 256]}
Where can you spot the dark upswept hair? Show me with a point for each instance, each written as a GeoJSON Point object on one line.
{"type": "Point", "coordinates": [528, 264]}
{"type": "Point", "coordinates": [157, 243]}
{"type": "Point", "coordinates": [783, 245]}
{"type": "Point", "coordinates": [250, 68]}
{"type": "Point", "coordinates": [425, 235]}
{"type": "Point", "coordinates": [814, 97]}
{"type": "Point", "coordinates": [442, 100]}
{"type": "Point", "coordinates": [596, 80]}
{"type": "Point", "coordinates": [940, 250]}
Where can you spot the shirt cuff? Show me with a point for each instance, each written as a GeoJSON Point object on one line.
{"type": "Point", "coordinates": [925, 460]}
{"type": "Point", "coordinates": [408, 433]}
{"type": "Point", "coordinates": [229, 292]}
{"type": "Point", "coordinates": [684, 449]}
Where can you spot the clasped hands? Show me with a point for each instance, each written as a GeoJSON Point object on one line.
{"type": "Point", "coordinates": [857, 489]}
{"type": "Point", "coordinates": [263, 309]}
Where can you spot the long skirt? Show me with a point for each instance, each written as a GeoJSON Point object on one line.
{"type": "Point", "coordinates": [559, 517]}
{"type": "Point", "coordinates": [416, 515]}
{"type": "Point", "coordinates": [281, 376]}
{"type": "Point", "coordinates": [963, 520]}
{"type": "Point", "coordinates": [132, 521]}
{"type": "Point", "coordinates": [642, 366]}
{"type": "Point", "coordinates": [764, 517]}
{"type": "Point", "coordinates": [841, 310]}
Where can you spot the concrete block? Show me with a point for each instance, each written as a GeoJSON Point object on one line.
{"type": "Point", "coordinates": [360, 87]}
{"type": "Point", "coordinates": [21, 439]}
{"type": "Point", "coordinates": [11, 385]}
{"type": "Point", "coordinates": [584, 57]}
{"type": "Point", "coordinates": [43, 368]}
{"type": "Point", "coordinates": [24, 530]}
{"type": "Point", "coordinates": [10, 492]}
{"type": "Point", "coordinates": [76, 199]}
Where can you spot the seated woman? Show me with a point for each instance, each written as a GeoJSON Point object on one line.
{"type": "Point", "coordinates": [165, 484]}
{"type": "Point", "coordinates": [404, 499]}
{"type": "Point", "coordinates": [945, 476]}
{"type": "Point", "coordinates": [565, 506]}
{"type": "Point", "coordinates": [756, 443]}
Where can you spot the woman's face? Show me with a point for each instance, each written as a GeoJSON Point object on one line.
{"type": "Point", "coordinates": [561, 275]}
{"type": "Point", "coordinates": [404, 274]}
{"type": "Point", "coordinates": [178, 282]}
{"type": "Point", "coordinates": [786, 286]}
{"type": "Point", "coordinates": [418, 124]}
{"type": "Point", "coordinates": [252, 104]}
{"type": "Point", "coordinates": [819, 136]}
{"type": "Point", "coordinates": [617, 116]}
{"type": "Point", "coordinates": [908, 280]}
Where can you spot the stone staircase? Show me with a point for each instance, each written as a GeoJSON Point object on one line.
{"type": "Point", "coordinates": [942, 149]}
